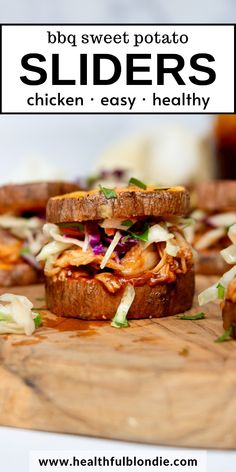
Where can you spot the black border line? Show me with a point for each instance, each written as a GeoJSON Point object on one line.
{"type": "Point", "coordinates": [116, 24]}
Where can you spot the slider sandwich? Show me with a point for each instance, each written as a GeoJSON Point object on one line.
{"type": "Point", "coordinates": [215, 213]}
{"type": "Point", "coordinates": [118, 252]}
{"type": "Point", "coordinates": [22, 216]}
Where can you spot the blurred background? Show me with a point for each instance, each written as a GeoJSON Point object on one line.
{"type": "Point", "coordinates": [38, 147]}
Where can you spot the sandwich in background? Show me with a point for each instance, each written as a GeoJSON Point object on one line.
{"type": "Point", "coordinates": [22, 216]}
{"type": "Point", "coordinates": [215, 212]}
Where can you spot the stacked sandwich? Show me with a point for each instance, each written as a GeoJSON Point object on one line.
{"type": "Point", "coordinates": [118, 253]}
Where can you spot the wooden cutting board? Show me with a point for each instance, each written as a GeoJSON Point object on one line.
{"type": "Point", "coordinates": [160, 381]}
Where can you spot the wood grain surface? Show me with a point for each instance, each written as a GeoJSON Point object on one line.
{"type": "Point", "coordinates": [161, 381]}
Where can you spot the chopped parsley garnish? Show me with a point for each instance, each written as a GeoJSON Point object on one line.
{"type": "Point", "coordinates": [24, 250]}
{"type": "Point", "coordinates": [198, 316]}
{"type": "Point", "coordinates": [108, 192]}
{"type": "Point", "coordinates": [226, 336]}
{"type": "Point", "coordinates": [137, 183]}
{"type": "Point", "coordinates": [38, 320]}
{"type": "Point", "coordinates": [141, 236]}
{"type": "Point", "coordinates": [127, 223]}
{"type": "Point", "coordinates": [220, 291]}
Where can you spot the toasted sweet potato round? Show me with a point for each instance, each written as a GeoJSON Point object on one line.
{"type": "Point", "coordinates": [88, 298]}
{"type": "Point", "coordinates": [128, 202]}
{"type": "Point", "coordinates": [18, 198]}
{"type": "Point", "coordinates": [216, 195]}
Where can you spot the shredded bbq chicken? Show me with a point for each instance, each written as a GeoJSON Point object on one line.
{"type": "Point", "coordinates": [139, 261]}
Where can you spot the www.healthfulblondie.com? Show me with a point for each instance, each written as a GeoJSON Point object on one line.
{"type": "Point", "coordinates": [56, 461]}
